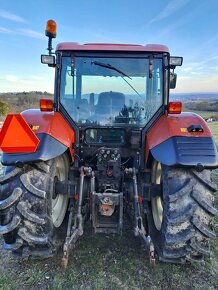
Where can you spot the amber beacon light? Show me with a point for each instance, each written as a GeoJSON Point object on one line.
{"type": "Point", "coordinates": [51, 28]}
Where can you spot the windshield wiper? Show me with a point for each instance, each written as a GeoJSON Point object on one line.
{"type": "Point", "coordinates": [107, 65]}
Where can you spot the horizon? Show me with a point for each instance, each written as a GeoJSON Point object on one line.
{"type": "Point", "coordinates": [179, 24]}
{"type": "Point", "coordinates": [171, 93]}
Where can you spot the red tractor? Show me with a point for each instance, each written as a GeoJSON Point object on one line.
{"type": "Point", "coordinates": [110, 144]}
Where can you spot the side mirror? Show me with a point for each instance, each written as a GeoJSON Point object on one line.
{"type": "Point", "coordinates": [48, 59]}
{"type": "Point", "coordinates": [173, 78]}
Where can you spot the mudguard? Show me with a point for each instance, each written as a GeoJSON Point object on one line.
{"type": "Point", "coordinates": [172, 142]}
{"type": "Point", "coordinates": [54, 133]}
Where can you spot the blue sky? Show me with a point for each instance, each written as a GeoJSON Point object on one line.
{"type": "Point", "coordinates": [188, 27]}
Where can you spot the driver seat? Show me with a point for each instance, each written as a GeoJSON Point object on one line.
{"type": "Point", "coordinates": [110, 101]}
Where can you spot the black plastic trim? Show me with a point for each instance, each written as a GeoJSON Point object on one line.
{"type": "Point", "coordinates": [48, 148]}
{"type": "Point", "coordinates": [109, 53]}
{"type": "Point", "coordinates": [187, 151]}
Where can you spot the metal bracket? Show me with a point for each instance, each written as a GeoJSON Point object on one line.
{"type": "Point", "coordinates": [151, 252]}
{"type": "Point", "coordinates": [65, 187]}
{"type": "Point", "coordinates": [151, 190]}
{"type": "Point", "coordinates": [73, 233]}
{"type": "Point", "coordinates": [139, 229]}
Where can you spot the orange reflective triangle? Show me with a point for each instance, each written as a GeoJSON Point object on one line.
{"type": "Point", "coordinates": [16, 136]}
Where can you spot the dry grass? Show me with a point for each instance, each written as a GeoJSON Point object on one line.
{"type": "Point", "coordinates": [106, 262]}
{"type": "Point", "coordinates": [214, 129]}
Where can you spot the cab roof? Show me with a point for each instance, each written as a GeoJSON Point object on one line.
{"type": "Point", "coordinates": [112, 47]}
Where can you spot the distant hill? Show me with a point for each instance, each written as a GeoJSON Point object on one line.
{"type": "Point", "coordinates": [204, 104]}
{"type": "Point", "coordinates": [18, 102]}
{"type": "Point", "coordinates": [187, 97]}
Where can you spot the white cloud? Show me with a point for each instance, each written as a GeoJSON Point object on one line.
{"type": "Point", "coordinates": [37, 78]}
{"type": "Point", "coordinates": [213, 58]}
{"type": "Point", "coordinates": [14, 83]}
{"type": "Point", "coordinates": [183, 78]}
{"type": "Point", "coordinates": [208, 45]}
{"type": "Point", "coordinates": [31, 33]}
{"type": "Point", "coordinates": [199, 69]}
{"type": "Point", "coordinates": [11, 78]}
{"type": "Point", "coordinates": [207, 66]}
{"type": "Point", "coordinates": [10, 16]}
{"type": "Point", "coordinates": [4, 30]}
{"type": "Point", "coordinates": [22, 31]}
{"type": "Point", "coordinates": [214, 68]}
{"type": "Point", "coordinates": [170, 9]}
{"type": "Point", "coordinates": [188, 84]}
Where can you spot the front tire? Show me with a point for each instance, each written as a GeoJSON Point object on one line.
{"type": "Point", "coordinates": [32, 216]}
{"type": "Point", "coordinates": [181, 216]}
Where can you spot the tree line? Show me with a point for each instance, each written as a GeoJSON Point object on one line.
{"type": "Point", "coordinates": [202, 106]}
{"type": "Point", "coordinates": [18, 102]}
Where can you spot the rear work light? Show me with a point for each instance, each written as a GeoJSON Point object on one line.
{"type": "Point", "coordinates": [46, 105]}
{"type": "Point", "coordinates": [175, 61]}
{"type": "Point", "coordinates": [48, 59]}
{"type": "Point", "coordinates": [195, 128]}
{"type": "Point", "coordinates": [175, 108]}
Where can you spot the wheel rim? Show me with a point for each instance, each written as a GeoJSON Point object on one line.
{"type": "Point", "coordinates": [60, 202]}
{"type": "Point", "coordinates": [156, 202]}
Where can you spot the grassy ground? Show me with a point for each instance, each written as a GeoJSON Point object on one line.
{"type": "Point", "coordinates": [213, 125]}
{"type": "Point", "coordinates": [214, 129]}
{"type": "Point", "coordinates": [204, 114]}
{"type": "Point", "coordinates": [107, 262]}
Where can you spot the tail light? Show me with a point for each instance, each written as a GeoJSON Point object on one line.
{"type": "Point", "coordinates": [175, 108]}
{"type": "Point", "coordinates": [46, 105]}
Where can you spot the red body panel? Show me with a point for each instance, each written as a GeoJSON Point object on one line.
{"type": "Point", "coordinates": [112, 47]}
{"type": "Point", "coordinates": [175, 125]}
{"type": "Point", "coordinates": [51, 123]}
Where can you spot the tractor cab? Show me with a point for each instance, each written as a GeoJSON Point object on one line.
{"type": "Point", "coordinates": [111, 84]}
{"type": "Point", "coordinates": [110, 91]}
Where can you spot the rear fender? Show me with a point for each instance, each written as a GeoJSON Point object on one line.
{"type": "Point", "coordinates": [170, 142]}
{"type": "Point", "coordinates": [54, 133]}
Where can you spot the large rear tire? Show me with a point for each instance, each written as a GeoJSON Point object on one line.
{"type": "Point", "coordinates": [180, 219]}
{"type": "Point", "coordinates": [32, 216]}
